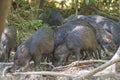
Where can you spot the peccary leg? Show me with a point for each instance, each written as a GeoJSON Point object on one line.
{"type": "Point", "coordinates": [99, 54]}
{"type": "Point", "coordinates": [83, 55]}
{"type": "Point", "coordinates": [9, 54]}
{"type": "Point", "coordinates": [37, 62]}
{"type": "Point", "coordinates": [67, 57]}
{"type": "Point", "coordinates": [96, 54]}
{"type": "Point", "coordinates": [6, 55]}
{"type": "Point", "coordinates": [64, 59]}
{"type": "Point", "coordinates": [77, 54]}
{"type": "Point", "coordinates": [88, 56]}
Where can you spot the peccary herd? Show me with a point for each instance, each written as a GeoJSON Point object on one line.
{"type": "Point", "coordinates": [84, 37]}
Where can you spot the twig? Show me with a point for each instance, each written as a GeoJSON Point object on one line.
{"type": "Point", "coordinates": [79, 63]}
{"type": "Point", "coordinates": [5, 69]}
{"type": "Point", "coordinates": [45, 73]}
{"type": "Point", "coordinates": [5, 63]}
{"type": "Point", "coordinates": [50, 64]}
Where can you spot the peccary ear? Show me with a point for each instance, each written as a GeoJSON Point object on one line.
{"type": "Point", "coordinates": [108, 37]}
{"type": "Point", "coordinates": [23, 49]}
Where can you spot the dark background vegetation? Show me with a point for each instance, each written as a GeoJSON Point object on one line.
{"type": "Point", "coordinates": [24, 13]}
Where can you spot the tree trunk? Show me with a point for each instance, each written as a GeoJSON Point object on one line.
{"type": "Point", "coordinates": [119, 10]}
{"type": "Point", "coordinates": [41, 4]}
{"type": "Point", "coordinates": [4, 7]}
{"type": "Point", "coordinates": [76, 2]}
{"type": "Point", "coordinates": [37, 5]}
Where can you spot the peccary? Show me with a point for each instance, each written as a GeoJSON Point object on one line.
{"type": "Point", "coordinates": [62, 31]}
{"type": "Point", "coordinates": [79, 39]}
{"type": "Point", "coordinates": [109, 25]}
{"type": "Point", "coordinates": [8, 42]}
{"type": "Point", "coordinates": [52, 17]}
{"type": "Point", "coordinates": [40, 44]}
{"type": "Point", "coordinates": [112, 34]}
{"type": "Point", "coordinates": [107, 31]}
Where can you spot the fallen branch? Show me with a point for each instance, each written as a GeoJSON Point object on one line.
{"type": "Point", "coordinates": [79, 63]}
{"type": "Point", "coordinates": [5, 63]}
{"type": "Point", "coordinates": [5, 70]}
{"type": "Point", "coordinates": [45, 73]}
{"type": "Point", "coordinates": [109, 74]}
{"type": "Point", "coordinates": [115, 59]}
{"type": "Point", "coordinates": [76, 63]}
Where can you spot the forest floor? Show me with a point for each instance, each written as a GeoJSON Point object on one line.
{"type": "Point", "coordinates": [68, 72]}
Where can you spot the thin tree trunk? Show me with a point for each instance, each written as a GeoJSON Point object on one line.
{"type": "Point", "coordinates": [41, 3]}
{"type": "Point", "coordinates": [119, 10]}
{"type": "Point", "coordinates": [34, 13]}
{"type": "Point", "coordinates": [76, 2]}
{"type": "Point", "coordinates": [4, 7]}
{"type": "Point", "coordinates": [37, 4]}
